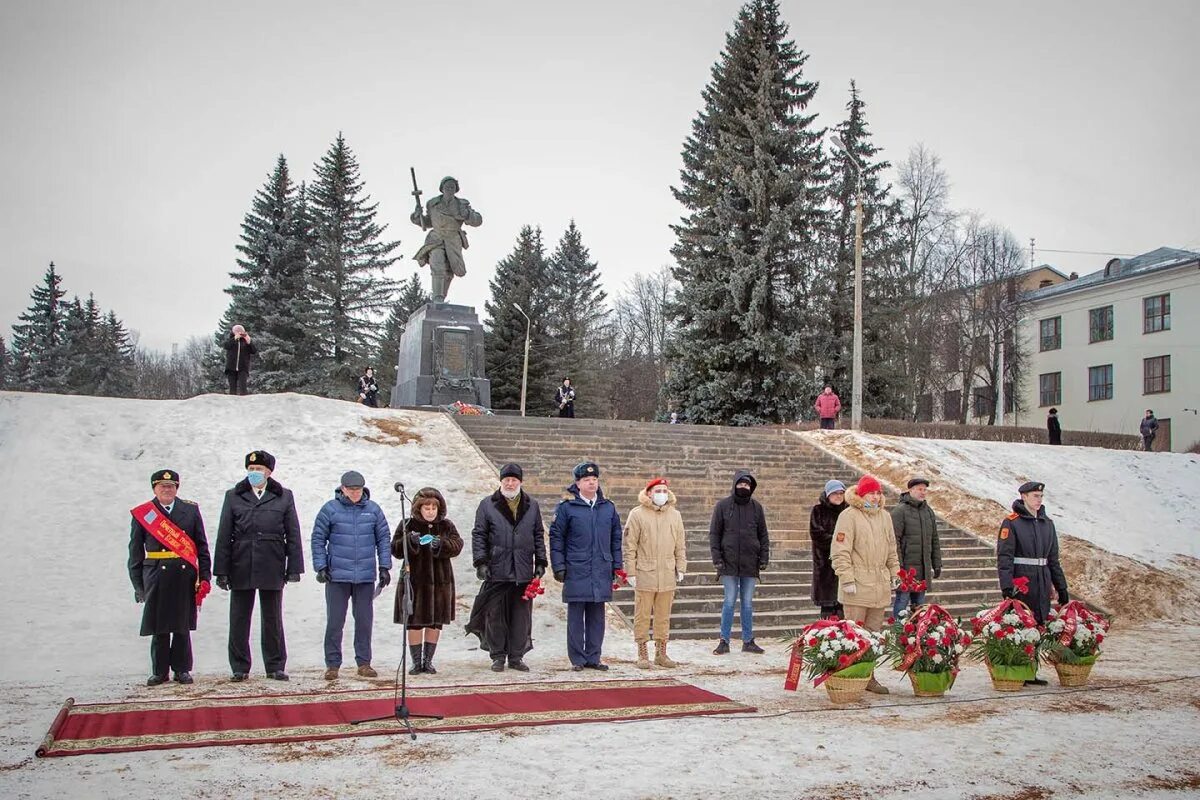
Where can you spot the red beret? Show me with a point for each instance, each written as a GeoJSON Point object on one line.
{"type": "Point", "coordinates": [868, 484]}
{"type": "Point", "coordinates": [655, 482]}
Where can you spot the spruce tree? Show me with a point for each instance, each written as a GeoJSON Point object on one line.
{"type": "Point", "coordinates": [351, 293]}
{"type": "Point", "coordinates": [577, 313]}
{"type": "Point", "coordinates": [520, 279]}
{"type": "Point", "coordinates": [37, 339]}
{"type": "Point", "coordinates": [885, 288]}
{"type": "Point", "coordinates": [82, 360]}
{"type": "Point", "coordinates": [116, 351]}
{"type": "Point", "coordinates": [411, 297]}
{"type": "Point", "coordinates": [5, 368]}
{"type": "Point", "coordinates": [753, 185]}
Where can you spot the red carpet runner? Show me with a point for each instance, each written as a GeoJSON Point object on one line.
{"type": "Point", "coordinates": [205, 722]}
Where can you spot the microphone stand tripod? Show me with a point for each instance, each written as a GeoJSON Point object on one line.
{"type": "Point", "coordinates": [401, 712]}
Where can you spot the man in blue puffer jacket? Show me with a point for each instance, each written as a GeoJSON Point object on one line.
{"type": "Point", "coordinates": [585, 553]}
{"type": "Point", "coordinates": [350, 536]}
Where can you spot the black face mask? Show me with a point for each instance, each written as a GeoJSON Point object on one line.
{"type": "Point", "coordinates": [741, 493]}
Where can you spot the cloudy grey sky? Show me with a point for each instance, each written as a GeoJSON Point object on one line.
{"type": "Point", "coordinates": [135, 133]}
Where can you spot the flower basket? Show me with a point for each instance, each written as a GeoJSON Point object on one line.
{"type": "Point", "coordinates": [1007, 639]}
{"type": "Point", "coordinates": [1011, 678]}
{"type": "Point", "coordinates": [1072, 642]}
{"type": "Point", "coordinates": [838, 653]}
{"type": "Point", "coordinates": [847, 685]}
{"type": "Point", "coordinates": [1074, 674]}
{"type": "Point", "coordinates": [931, 684]}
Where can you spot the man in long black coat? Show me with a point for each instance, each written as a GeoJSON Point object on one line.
{"type": "Point", "coordinates": [741, 549]}
{"type": "Point", "coordinates": [167, 583]}
{"type": "Point", "coordinates": [508, 549]}
{"type": "Point", "coordinates": [1053, 428]}
{"type": "Point", "coordinates": [258, 549]}
{"type": "Point", "coordinates": [239, 351]}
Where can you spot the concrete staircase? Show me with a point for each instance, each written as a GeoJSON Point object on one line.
{"type": "Point", "coordinates": [700, 462]}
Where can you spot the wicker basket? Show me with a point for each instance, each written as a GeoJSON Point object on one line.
{"type": "Point", "coordinates": [1073, 674]}
{"type": "Point", "coordinates": [927, 692]}
{"type": "Point", "coordinates": [845, 690]}
{"type": "Point", "coordinates": [1005, 684]}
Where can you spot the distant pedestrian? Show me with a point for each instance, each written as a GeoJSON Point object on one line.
{"type": "Point", "coordinates": [368, 390]}
{"type": "Point", "coordinates": [1053, 428]}
{"type": "Point", "coordinates": [432, 542]}
{"type": "Point", "coordinates": [674, 417]}
{"type": "Point", "coordinates": [828, 406]}
{"type": "Point", "coordinates": [239, 351]}
{"type": "Point", "coordinates": [741, 550]}
{"type": "Point", "coordinates": [917, 542]}
{"type": "Point", "coordinates": [821, 522]}
{"type": "Point", "coordinates": [350, 537]}
{"type": "Point", "coordinates": [1149, 429]}
{"type": "Point", "coordinates": [564, 398]}
{"type": "Point", "coordinates": [656, 559]}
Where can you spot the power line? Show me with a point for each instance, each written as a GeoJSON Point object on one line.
{"type": "Point", "coordinates": [1085, 252]}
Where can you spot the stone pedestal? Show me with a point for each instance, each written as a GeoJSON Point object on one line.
{"type": "Point", "coordinates": [440, 358]}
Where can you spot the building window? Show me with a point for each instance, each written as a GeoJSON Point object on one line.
{"type": "Point", "coordinates": [925, 408]}
{"type": "Point", "coordinates": [1156, 375]}
{"type": "Point", "coordinates": [1156, 313]}
{"type": "Point", "coordinates": [951, 405]}
{"type": "Point", "coordinates": [1100, 325]}
{"type": "Point", "coordinates": [1050, 389]}
{"type": "Point", "coordinates": [1100, 383]}
{"type": "Point", "coordinates": [981, 399]}
{"type": "Point", "coordinates": [1051, 333]}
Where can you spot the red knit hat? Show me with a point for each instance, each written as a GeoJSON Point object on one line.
{"type": "Point", "coordinates": [655, 482]}
{"type": "Point", "coordinates": [866, 485]}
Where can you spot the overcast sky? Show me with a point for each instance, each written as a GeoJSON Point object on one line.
{"type": "Point", "coordinates": [136, 133]}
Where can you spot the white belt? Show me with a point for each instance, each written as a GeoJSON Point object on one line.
{"type": "Point", "coordinates": [1030, 562]}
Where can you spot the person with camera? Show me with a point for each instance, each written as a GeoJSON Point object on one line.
{"type": "Point", "coordinates": [368, 389]}
{"type": "Point", "coordinates": [239, 351]}
{"type": "Point", "coordinates": [432, 542]}
{"type": "Point", "coordinates": [564, 398]}
{"type": "Point", "coordinates": [258, 550]}
{"type": "Point", "coordinates": [349, 536]}
{"type": "Point", "coordinates": [508, 549]}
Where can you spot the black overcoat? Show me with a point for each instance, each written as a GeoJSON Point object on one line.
{"type": "Point", "coordinates": [1024, 536]}
{"type": "Point", "coordinates": [169, 584]}
{"type": "Point", "coordinates": [511, 547]}
{"type": "Point", "coordinates": [258, 541]}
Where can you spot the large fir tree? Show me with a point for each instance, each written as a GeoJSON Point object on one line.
{"type": "Point", "coordinates": [117, 377]}
{"type": "Point", "coordinates": [412, 296]}
{"type": "Point", "coordinates": [37, 340]}
{"type": "Point", "coordinates": [5, 365]}
{"type": "Point", "coordinates": [885, 288]}
{"type": "Point", "coordinates": [520, 279]}
{"type": "Point", "coordinates": [753, 186]}
{"type": "Point", "coordinates": [351, 293]}
{"type": "Point", "coordinates": [577, 311]}
{"type": "Point", "coordinates": [82, 362]}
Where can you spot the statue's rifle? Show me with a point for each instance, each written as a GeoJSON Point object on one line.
{"type": "Point", "coordinates": [416, 193]}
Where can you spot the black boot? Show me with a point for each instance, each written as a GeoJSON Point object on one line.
{"type": "Point", "coordinates": [418, 663]}
{"type": "Point", "coordinates": [428, 668]}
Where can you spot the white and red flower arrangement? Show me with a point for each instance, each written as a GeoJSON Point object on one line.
{"type": "Point", "coordinates": [1007, 638]}
{"type": "Point", "coordinates": [831, 647]}
{"type": "Point", "coordinates": [927, 645]}
{"type": "Point", "coordinates": [1072, 640]}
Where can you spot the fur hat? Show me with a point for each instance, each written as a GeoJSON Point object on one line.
{"type": "Point", "coordinates": [260, 458]}
{"type": "Point", "coordinates": [512, 470]}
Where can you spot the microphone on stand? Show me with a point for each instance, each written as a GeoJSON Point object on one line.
{"type": "Point", "coordinates": [399, 487]}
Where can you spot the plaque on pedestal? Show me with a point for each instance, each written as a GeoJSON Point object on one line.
{"type": "Point", "coordinates": [440, 358]}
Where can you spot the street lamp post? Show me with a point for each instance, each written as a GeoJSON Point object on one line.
{"type": "Point", "coordinates": [856, 389]}
{"type": "Point", "coordinates": [525, 368]}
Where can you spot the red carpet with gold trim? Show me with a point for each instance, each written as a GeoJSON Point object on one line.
{"type": "Point", "coordinates": [208, 721]}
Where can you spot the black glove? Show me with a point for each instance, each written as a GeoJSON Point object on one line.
{"type": "Point", "coordinates": [1008, 593]}
{"type": "Point", "coordinates": [414, 540]}
{"type": "Point", "coordinates": [1063, 598]}
{"type": "Point", "coordinates": [539, 570]}
{"type": "Point", "coordinates": [322, 576]}
{"type": "Point", "coordinates": [614, 577]}
{"type": "Point", "coordinates": [762, 567]}
{"type": "Point", "coordinates": [139, 596]}
{"type": "Point", "coordinates": [385, 577]}
{"type": "Point", "coordinates": [483, 572]}
{"type": "Point", "coordinates": [560, 575]}
{"type": "Point", "coordinates": [937, 572]}
{"type": "Point", "coordinates": [223, 582]}
{"type": "Point", "coordinates": [293, 577]}
{"type": "Point", "coordinates": [719, 567]}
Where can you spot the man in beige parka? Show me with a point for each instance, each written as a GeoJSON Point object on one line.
{"type": "Point", "coordinates": [655, 557]}
{"type": "Point", "coordinates": [864, 557]}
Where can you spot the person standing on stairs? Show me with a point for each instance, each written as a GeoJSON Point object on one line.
{"type": "Point", "coordinates": [821, 523]}
{"type": "Point", "coordinates": [585, 553]}
{"type": "Point", "coordinates": [656, 560]}
{"type": "Point", "coordinates": [741, 550]}
{"type": "Point", "coordinates": [917, 542]}
{"type": "Point", "coordinates": [864, 558]}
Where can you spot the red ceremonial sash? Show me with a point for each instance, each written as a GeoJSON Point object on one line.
{"type": "Point", "coordinates": [168, 534]}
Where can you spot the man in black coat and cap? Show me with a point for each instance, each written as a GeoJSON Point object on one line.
{"type": "Point", "coordinates": [1027, 547]}
{"type": "Point", "coordinates": [508, 549]}
{"type": "Point", "coordinates": [258, 549]}
{"type": "Point", "coordinates": [170, 569]}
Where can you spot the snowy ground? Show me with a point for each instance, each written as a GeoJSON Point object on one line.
{"type": "Point", "coordinates": [69, 629]}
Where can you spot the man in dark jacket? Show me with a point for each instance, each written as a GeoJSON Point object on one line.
{"type": "Point", "coordinates": [564, 398]}
{"type": "Point", "coordinates": [1149, 429]}
{"type": "Point", "coordinates": [585, 551]}
{"type": "Point", "coordinates": [1027, 547]}
{"type": "Point", "coordinates": [170, 570]}
{"type": "Point", "coordinates": [741, 550]}
{"type": "Point", "coordinates": [258, 549]}
{"type": "Point", "coordinates": [508, 549]}
{"type": "Point", "coordinates": [238, 352]}
{"type": "Point", "coordinates": [917, 543]}
{"type": "Point", "coordinates": [350, 537]}
{"type": "Point", "coordinates": [1053, 429]}
{"type": "Point", "coordinates": [821, 523]}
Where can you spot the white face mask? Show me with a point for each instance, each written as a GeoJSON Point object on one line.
{"type": "Point", "coordinates": [510, 495]}
{"type": "Point", "coordinates": [659, 498]}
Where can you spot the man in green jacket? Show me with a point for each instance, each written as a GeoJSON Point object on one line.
{"type": "Point", "coordinates": [917, 542]}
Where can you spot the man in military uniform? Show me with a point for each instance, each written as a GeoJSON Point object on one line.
{"type": "Point", "coordinates": [442, 252]}
{"type": "Point", "coordinates": [1028, 547]}
{"type": "Point", "coordinates": [170, 570]}
{"type": "Point", "coordinates": [258, 550]}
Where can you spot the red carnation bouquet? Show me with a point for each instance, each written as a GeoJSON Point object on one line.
{"type": "Point", "coordinates": [1007, 639]}
{"type": "Point", "coordinates": [909, 582]}
{"type": "Point", "coordinates": [927, 645]}
{"type": "Point", "coordinates": [622, 578]}
{"type": "Point", "coordinates": [833, 648]}
{"type": "Point", "coordinates": [202, 590]}
{"type": "Point", "coordinates": [1072, 641]}
{"type": "Point", "coordinates": [534, 589]}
